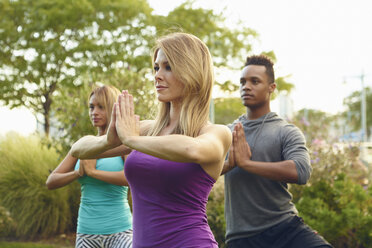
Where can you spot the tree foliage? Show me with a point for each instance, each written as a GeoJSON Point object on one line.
{"type": "Point", "coordinates": [226, 44]}
{"type": "Point", "coordinates": [45, 46]}
{"type": "Point", "coordinates": [228, 109]}
{"type": "Point", "coordinates": [51, 52]}
{"type": "Point", "coordinates": [316, 125]}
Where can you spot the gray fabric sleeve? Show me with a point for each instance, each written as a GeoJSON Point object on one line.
{"type": "Point", "coordinates": [294, 148]}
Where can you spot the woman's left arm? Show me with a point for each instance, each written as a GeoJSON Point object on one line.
{"type": "Point", "coordinates": [209, 147]}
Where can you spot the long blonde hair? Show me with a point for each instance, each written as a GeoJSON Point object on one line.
{"type": "Point", "coordinates": [106, 96]}
{"type": "Point", "coordinates": [191, 64]}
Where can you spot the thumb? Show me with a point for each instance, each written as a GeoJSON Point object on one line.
{"type": "Point", "coordinates": [116, 112]}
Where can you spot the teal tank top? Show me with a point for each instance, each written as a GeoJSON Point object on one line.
{"type": "Point", "coordinates": [104, 207]}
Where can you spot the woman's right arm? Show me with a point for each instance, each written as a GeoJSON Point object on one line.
{"type": "Point", "coordinates": [109, 145]}
{"type": "Point", "coordinates": [64, 173]}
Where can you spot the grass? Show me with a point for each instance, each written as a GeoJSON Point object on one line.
{"type": "Point", "coordinates": [58, 241]}
{"type": "Point", "coordinates": [14, 244]}
{"type": "Point", "coordinates": [24, 245]}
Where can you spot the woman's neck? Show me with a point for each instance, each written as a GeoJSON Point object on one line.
{"type": "Point", "coordinates": [174, 119]}
{"type": "Point", "coordinates": [101, 131]}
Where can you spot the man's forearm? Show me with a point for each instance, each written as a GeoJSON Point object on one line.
{"type": "Point", "coordinates": [226, 167]}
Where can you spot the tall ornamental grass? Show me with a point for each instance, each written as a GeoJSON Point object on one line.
{"type": "Point", "coordinates": [36, 211]}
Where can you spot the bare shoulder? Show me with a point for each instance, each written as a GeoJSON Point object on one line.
{"type": "Point", "coordinates": [221, 130]}
{"type": "Point", "coordinates": [145, 126]}
{"type": "Point", "coordinates": [214, 128]}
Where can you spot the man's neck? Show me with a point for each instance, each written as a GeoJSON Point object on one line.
{"type": "Point", "coordinates": [255, 114]}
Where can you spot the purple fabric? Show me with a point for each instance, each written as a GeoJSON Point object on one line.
{"type": "Point", "coordinates": [169, 202]}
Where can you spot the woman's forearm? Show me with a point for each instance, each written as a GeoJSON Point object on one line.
{"type": "Point", "coordinates": [112, 177]}
{"type": "Point", "coordinates": [177, 148]}
{"type": "Point", "coordinates": [90, 147]}
{"type": "Point", "coordinates": [57, 180]}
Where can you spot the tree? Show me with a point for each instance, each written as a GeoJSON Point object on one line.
{"type": "Point", "coordinates": [46, 45]}
{"type": "Point", "coordinates": [317, 125]}
{"type": "Point", "coordinates": [353, 114]}
{"type": "Point", "coordinates": [228, 109]}
{"type": "Point", "coordinates": [225, 43]}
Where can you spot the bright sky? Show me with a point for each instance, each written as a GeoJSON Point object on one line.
{"type": "Point", "coordinates": [321, 43]}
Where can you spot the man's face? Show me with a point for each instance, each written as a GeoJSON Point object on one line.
{"type": "Point", "coordinates": [255, 88]}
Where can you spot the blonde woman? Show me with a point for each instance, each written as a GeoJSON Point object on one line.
{"type": "Point", "coordinates": [104, 218]}
{"type": "Point", "coordinates": [176, 158]}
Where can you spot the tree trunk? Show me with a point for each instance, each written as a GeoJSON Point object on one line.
{"type": "Point", "coordinates": [46, 124]}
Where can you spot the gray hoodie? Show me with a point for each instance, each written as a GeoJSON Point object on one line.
{"type": "Point", "coordinates": [254, 203]}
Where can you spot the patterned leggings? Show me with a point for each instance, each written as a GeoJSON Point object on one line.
{"type": "Point", "coordinates": [116, 240]}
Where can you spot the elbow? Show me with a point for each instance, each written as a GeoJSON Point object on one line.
{"type": "Point", "coordinates": [49, 184]}
{"type": "Point", "coordinates": [304, 177]}
{"type": "Point", "coordinates": [192, 155]}
{"type": "Point", "coordinates": [74, 152]}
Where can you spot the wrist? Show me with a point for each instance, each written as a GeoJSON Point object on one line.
{"type": "Point", "coordinates": [244, 164]}
{"type": "Point", "coordinates": [77, 173]}
{"type": "Point", "coordinates": [129, 140]}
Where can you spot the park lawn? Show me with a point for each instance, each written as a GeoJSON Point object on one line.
{"type": "Point", "coordinates": [25, 245]}
{"type": "Point", "coordinates": [31, 245]}
{"type": "Point", "coordinates": [62, 241]}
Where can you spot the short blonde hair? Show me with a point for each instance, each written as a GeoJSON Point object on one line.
{"type": "Point", "coordinates": [192, 65]}
{"type": "Point", "coordinates": [106, 96]}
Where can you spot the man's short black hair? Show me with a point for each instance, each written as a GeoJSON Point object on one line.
{"type": "Point", "coordinates": [265, 61]}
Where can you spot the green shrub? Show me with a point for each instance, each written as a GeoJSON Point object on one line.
{"type": "Point", "coordinates": [37, 212]}
{"type": "Point", "coordinates": [6, 222]}
{"type": "Point", "coordinates": [215, 212]}
{"type": "Point", "coordinates": [340, 211]}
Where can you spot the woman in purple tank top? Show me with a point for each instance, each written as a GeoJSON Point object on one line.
{"type": "Point", "coordinates": [175, 159]}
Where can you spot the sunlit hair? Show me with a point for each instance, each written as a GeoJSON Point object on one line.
{"type": "Point", "coordinates": [265, 61]}
{"type": "Point", "coordinates": [191, 64]}
{"type": "Point", "coordinates": [106, 96]}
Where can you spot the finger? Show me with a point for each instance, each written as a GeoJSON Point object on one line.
{"type": "Point", "coordinates": [137, 127]}
{"type": "Point", "coordinates": [125, 103]}
{"type": "Point", "coordinates": [231, 156]}
{"type": "Point", "coordinates": [122, 105]}
{"type": "Point", "coordinates": [118, 101]}
{"type": "Point", "coordinates": [235, 140]}
{"type": "Point", "coordinates": [117, 112]}
{"type": "Point", "coordinates": [113, 116]}
{"type": "Point", "coordinates": [241, 130]}
{"type": "Point", "coordinates": [131, 106]}
{"type": "Point", "coordinates": [249, 151]}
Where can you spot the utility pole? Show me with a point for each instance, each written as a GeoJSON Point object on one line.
{"type": "Point", "coordinates": [363, 112]}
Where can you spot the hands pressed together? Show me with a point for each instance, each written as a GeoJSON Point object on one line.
{"type": "Point", "coordinates": [87, 167]}
{"type": "Point", "coordinates": [124, 123]}
{"type": "Point", "coordinates": [239, 152]}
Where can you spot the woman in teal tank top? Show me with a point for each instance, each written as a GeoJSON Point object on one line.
{"type": "Point", "coordinates": [104, 218]}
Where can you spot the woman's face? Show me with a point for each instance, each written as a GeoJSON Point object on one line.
{"type": "Point", "coordinates": [168, 88]}
{"type": "Point", "coordinates": [97, 113]}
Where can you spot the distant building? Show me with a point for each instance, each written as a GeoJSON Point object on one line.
{"type": "Point", "coordinates": [285, 104]}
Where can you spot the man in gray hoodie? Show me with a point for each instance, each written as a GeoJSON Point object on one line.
{"type": "Point", "coordinates": [266, 154]}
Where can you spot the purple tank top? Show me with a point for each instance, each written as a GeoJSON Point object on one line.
{"type": "Point", "coordinates": [169, 202]}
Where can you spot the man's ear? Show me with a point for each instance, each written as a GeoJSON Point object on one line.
{"type": "Point", "coordinates": [272, 87]}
